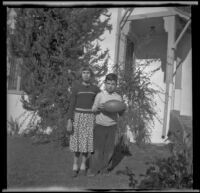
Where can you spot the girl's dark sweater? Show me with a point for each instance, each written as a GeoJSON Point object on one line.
{"type": "Point", "coordinates": [82, 97]}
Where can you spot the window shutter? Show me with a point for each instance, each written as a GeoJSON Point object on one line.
{"type": "Point", "coordinates": [129, 58]}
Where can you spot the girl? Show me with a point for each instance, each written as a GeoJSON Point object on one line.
{"type": "Point", "coordinates": [81, 119]}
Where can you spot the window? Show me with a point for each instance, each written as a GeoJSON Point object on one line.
{"type": "Point", "coordinates": [14, 75]}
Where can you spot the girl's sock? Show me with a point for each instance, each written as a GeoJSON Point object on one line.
{"type": "Point", "coordinates": [83, 163]}
{"type": "Point", "coordinates": [75, 167]}
{"type": "Point", "coordinates": [83, 167]}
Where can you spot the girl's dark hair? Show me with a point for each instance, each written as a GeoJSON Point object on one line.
{"type": "Point", "coordinates": [111, 76]}
{"type": "Point", "coordinates": [86, 68]}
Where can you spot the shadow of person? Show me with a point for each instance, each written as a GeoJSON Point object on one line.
{"type": "Point", "coordinates": [120, 151]}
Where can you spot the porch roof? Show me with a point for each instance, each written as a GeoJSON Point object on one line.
{"type": "Point", "coordinates": [148, 33]}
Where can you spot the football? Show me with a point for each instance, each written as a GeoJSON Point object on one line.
{"type": "Point", "coordinates": [114, 106]}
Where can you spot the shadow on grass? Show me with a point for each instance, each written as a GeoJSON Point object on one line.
{"type": "Point", "coordinates": [120, 151]}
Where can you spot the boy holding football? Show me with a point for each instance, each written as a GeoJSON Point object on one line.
{"type": "Point", "coordinates": [105, 127]}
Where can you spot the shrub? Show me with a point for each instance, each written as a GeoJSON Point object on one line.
{"type": "Point", "coordinates": [135, 89]}
{"type": "Point", "coordinates": [168, 173]}
{"type": "Point", "coordinates": [13, 127]}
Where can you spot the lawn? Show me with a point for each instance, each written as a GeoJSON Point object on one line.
{"type": "Point", "coordinates": [49, 165]}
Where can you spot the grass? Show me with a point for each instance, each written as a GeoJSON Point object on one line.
{"type": "Point", "coordinates": [48, 165]}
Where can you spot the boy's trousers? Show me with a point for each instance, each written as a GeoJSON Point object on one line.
{"type": "Point", "coordinates": [104, 142]}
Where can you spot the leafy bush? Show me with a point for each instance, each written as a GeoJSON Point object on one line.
{"type": "Point", "coordinates": [135, 89]}
{"type": "Point", "coordinates": [13, 127]}
{"type": "Point", "coordinates": [173, 172]}
{"type": "Point", "coordinates": [132, 178]}
{"type": "Point", "coordinates": [168, 173]}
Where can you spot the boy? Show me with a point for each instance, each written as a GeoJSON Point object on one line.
{"type": "Point", "coordinates": [105, 127]}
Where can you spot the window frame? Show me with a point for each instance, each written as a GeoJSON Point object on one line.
{"type": "Point", "coordinates": [16, 91]}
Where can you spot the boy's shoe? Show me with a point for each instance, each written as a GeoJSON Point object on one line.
{"type": "Point", "coordinates": [74, 173]}
{"type": "Point", "coordinates": [82, 173]}
{"type": "Point", "coordinates": [90, 174]}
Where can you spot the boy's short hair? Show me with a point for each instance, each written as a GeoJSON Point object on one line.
{"type": "Point", "coordinates": [111, 76]}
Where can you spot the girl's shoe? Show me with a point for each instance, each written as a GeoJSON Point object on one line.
{"type": "Point", "coordinates": [74, 173]}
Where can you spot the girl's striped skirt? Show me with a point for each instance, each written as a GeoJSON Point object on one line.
{"type": "Point", "coordinates": [82, 138]}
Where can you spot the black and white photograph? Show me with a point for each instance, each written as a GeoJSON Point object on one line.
{"type": "Point", "coordinates": [99, 96]}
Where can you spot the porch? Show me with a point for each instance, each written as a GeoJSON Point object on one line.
{"type": "Point", "coordinates": [163, 34]}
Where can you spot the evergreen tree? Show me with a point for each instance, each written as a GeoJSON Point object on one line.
{"type": "Point", "coordinates": [135, 87]}
{"type": "Point", "coordinates": [54, 43]}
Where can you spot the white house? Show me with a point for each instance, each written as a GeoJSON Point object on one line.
{"type": "Point", "coordinates": [162, 33]}
{"type": "Point", "coordinates": [142, 33]}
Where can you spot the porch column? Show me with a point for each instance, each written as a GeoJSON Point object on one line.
{"type": "Point", "coordinates": [169, 24]}
{"type": "Point", "coordinates": [186, 92]}
{"type": "Point", "coordinates": [177, 86]}
{"type": "Point", "coordinates": [117, 45]}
